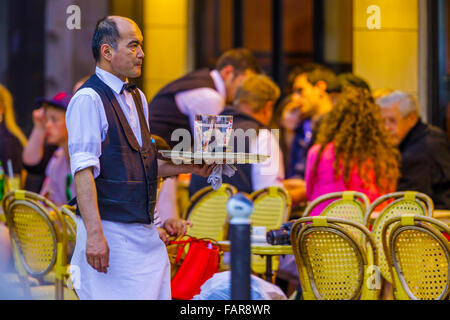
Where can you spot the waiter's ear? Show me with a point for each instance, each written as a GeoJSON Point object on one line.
{"type": "Point", "coordinates": [106, 52]}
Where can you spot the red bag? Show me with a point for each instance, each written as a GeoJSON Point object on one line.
{"type": "Point", "coordinates": [199, 264]}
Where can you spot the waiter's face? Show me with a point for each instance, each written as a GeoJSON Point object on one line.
{"type": "Point", "coordinates": [127, 59]}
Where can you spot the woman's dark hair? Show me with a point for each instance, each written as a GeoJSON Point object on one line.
{"type": "Point", "coordinates": [106, 32]}
{"type": "Point", "coordinates": [276, 118]}
{"type": "Point", "coordinates": [276, 124]}
{"type": "Point", "coordinates": [356, 128]}
{"type": "Point", "coordinates": [348, 79]}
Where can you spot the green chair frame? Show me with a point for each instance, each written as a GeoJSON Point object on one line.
{"type": "Point", "coordinates": [349, 205]}
{"type": "Point", "coordinates": [418, 257]}
{"type": "Point", "coordinates": [332, 263]}
{"type": "Point", "coordinates": [403, 202]}
{"type": "Point", "coordinates": [38, 237]}
{"type": "Point", "coordinates": [210, 220]}
{"type": "Point", "coordinates": [271, 208]}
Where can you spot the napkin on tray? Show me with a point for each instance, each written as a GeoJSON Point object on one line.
{"type": "Point", "coordinates": [215, 178]}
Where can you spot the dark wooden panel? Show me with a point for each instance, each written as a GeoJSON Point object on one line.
{"type": "Point", "coordinates": [448, 36]}
{"type": "Point", "coordinates": [26, 47]}
{"type": "Point", "coordinates": [224, 13]}
{"type": "Point", "coordinates": [437, 42]}
{"type": "Point", "coordinates": [298, 25]}
{"type": "Point", "coordinates": [3, 40]}
{"type": "Point", "coordinates": [258, 25]}
{"type": "Point", "coordinates": [447, 115]}
{"type": "Point", "coordinates": [279, 32]}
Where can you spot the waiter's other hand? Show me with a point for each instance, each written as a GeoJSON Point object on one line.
{"type": "Point", "coordinates": [97, 252]}
{"type": "Point", "coordinates": [203, 170]}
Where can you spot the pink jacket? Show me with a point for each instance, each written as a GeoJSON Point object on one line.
{"type": "Point", "coordinates": [324, 180]}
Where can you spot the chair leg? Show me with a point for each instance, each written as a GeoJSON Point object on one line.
{"type": "Point", "coordinates": [387, 291]}
{"type": "Point", "coordinates": [25, 286]}
{"type": "Point", "coordinates": [59, 287]}
{"type": "Point", "coordinates": [269, 274]}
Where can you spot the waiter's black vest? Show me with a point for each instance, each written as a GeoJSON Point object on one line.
{"type": "Point", "coordinates": [242, 178]}
{"type": "Point", "coordinates": [127, 184]}
{"type": "Point", "coordinates": [164, 115]}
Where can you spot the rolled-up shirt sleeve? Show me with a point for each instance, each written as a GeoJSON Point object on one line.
{"type": "Point", "coordinates": [87, 126]}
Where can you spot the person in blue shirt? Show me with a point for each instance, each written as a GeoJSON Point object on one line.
{"type": "Point", "coordinates": [310, 93]}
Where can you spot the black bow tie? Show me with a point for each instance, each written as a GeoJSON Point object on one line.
{"type": "Point", "coordinates": [129, 87]}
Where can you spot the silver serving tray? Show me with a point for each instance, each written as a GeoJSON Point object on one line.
{"type": "Point", "coordinates": [213, 157]}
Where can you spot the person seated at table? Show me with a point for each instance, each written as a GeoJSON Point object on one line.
{"type": "Point", "coordinates": [58, 185]}
{"type": "Point", "coordinates": [171, 228]}
{"type": "Point", "coordinates": [12, 139]}
{"type": "Point", "coordinates": [166, 209]}
{"type": "Point", "coordinates": [353, 151]}
{"type": "Point", "coordinates": [252, 112]}
{"type": "Point", "coordinates": [310, 91]}
{"type": "Point", "coordinates": [38, 152]}
{"type": "Point", "coordinates": [287, 118]}
{"type": "Point", "coordinates": [425, 150]}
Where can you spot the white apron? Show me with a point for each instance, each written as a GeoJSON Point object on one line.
{"type": "Point", "coordinates": [139, 267]}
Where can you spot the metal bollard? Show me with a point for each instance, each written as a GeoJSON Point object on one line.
{"type": "Point", "coordinates": [240, 207]}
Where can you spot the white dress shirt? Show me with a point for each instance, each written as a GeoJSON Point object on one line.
{"type": "Point", "coordinates": [203, 100]}
{"type": "Point", "coordinates": [87, 124]}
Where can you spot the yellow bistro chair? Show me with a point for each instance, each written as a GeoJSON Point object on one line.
{"type": "Point", "coordinates": [407, 202]}
{"type": "Point", "coordinates": [418, 257]}
{"type": "Point", "coordinates": [332, 264]}
{"type": "Point", "coordinates": [271, 208]}
{"type": "Point", "coordinates": [349, 205]}
{"type": "Point", "coordinates": [39, 238]}
{"type": "Point", "coordinates": [208, 212]}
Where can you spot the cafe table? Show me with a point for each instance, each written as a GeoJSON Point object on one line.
{"type": "Point", "coordinates": [442, 215]}
{"type": "Point", "coordinates": [264, 250]}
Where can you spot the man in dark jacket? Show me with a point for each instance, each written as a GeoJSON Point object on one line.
{"type": "Point", "coordinates": [425, 165]}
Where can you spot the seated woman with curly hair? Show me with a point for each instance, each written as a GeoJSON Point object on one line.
{"type": "Point", "coordinates": [353, 151]}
